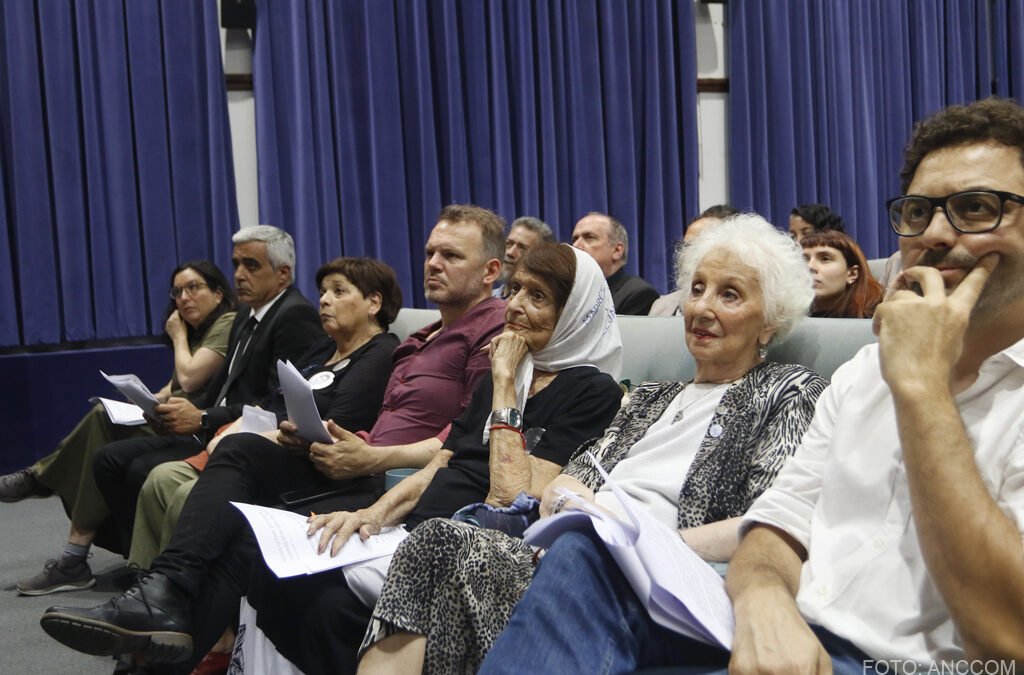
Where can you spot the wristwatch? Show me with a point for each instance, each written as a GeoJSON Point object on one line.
{"type": "Point", "coordinates": [204, 421]}
{"type": "Point", "coordinates": [506, 417]}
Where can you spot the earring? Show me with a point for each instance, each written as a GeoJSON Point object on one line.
{"type": "Point", "coordinates": [762, 351]}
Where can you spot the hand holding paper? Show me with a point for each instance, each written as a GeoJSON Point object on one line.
{"type": "Point", "coordinates": [289, 551]}
{"type": "Point", "coordinates": [136, 392]}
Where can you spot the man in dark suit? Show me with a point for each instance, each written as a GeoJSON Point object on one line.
{"type": "Point", "coordinates": [605, 239]}
{"type": "Point", "coordinates": [280, 324]}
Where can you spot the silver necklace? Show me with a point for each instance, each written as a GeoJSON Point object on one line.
{"type": "Point", "coordinates": [679, 415]}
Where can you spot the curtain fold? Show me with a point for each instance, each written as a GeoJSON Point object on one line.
{"type": "Point", "coordinates": [823, 96]}
{"type": "Point", "coordinates": [371, 115]}
{"type": "Point", "coordinates": [115, 160]}
{"type": "Point", "coordinates": [1007, 38]}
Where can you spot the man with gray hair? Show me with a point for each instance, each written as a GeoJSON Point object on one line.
{"type": "Point", "coordinates": [280, 324]}
{"type": "Point", "coordinates": [605, 239]}
{"type": "Point", "coordinates": [524, 233]}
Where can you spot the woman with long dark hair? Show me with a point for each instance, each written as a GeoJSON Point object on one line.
{"type": "Point", "coordinates": [843, 285]}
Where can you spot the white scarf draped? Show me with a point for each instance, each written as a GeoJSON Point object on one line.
{"type": "Point", "coordinates": [586, 334]}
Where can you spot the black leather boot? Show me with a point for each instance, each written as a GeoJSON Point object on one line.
{"type": "Point", "coordinates": [151, 618]}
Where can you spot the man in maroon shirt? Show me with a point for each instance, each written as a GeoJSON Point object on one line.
{"type": "Point", "coordinates": [437, 367]}
{"type": "Point", "coordinates": [436, 370]}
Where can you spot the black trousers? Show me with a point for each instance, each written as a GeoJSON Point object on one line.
{"type": "Point", "coordinates": [212, 552]}
{"type": "Point", "coordinates": [120, 470]}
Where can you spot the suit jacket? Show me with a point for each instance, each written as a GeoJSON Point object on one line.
{"type": "Point", "coordinates": [631, 295]}
{"type": "Point", "coordinates": [287, 331]}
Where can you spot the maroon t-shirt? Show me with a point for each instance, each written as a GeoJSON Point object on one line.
{"type": "Point", "coordinates": [433, 380]}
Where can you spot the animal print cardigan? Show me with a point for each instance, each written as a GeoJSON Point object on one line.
{"type": "Point", "coordinates": [758, 424]}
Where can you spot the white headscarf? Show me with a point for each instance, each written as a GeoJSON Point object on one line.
{"type": "Point", "coordinates": [586, 334]}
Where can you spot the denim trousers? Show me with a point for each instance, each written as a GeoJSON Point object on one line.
{"type": "Point", "coordinates": [580, 615]}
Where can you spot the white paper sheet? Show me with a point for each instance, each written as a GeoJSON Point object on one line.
{"type": "Point", "coordinates": [119, 412]}
{"type": "Point", "coordinates": [288, 552]}
{"type": "Point", "coordinates": [680, 591]}
{"type": "Point", "coordinates": [136, 392]}
{"type": "Point", "coordinates": [256, 421]}
{"type": "Point", "coordinates": [298, 400]}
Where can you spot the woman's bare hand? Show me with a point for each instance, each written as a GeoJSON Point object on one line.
{"type": "Point", "coordinates": [552, 499]}
{"type": "Point", "coordinates": [175, 326]}
{"type": "Point", "coordinates": [506, 351]}
{"type": "Point", "coordinates": [343, 524]}
{"type": "Point", "coordinates": [289, 439]}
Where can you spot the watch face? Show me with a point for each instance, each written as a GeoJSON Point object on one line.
{"type": "Point", "coordinates": [508, 417]}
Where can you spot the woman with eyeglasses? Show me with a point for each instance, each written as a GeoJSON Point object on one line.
{"type": "Point", "coordinates": [197, 320]}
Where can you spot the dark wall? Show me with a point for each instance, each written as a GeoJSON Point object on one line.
{"type": "Point", "coordinates": [45, 395]}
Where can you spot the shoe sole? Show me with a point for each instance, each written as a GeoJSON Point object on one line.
{"type": "Point", "coordinates": [71, 586]}
{"type": "Point", "coordinates": [104, 639]}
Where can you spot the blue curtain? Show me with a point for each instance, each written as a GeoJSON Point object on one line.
{"type": "Point", "coordinates": [373, 114]}
{"type": "Point", "coordinates": [1008, 47]}
{"type": "Point", "coordinates": [115, 163]}
{"type": "Point", "coordinates": [823, 96]}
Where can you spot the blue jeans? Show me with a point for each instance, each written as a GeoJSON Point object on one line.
{"type": "Point", "coordinates": [580, 615]}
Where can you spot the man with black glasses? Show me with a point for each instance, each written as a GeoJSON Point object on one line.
{"type": "Point", "coordinates": [891, 541]}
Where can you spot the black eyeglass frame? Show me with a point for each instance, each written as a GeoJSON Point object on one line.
{"type": "Point", "coordinates": [936, 202]}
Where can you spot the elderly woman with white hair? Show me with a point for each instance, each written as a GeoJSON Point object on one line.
{"type": "Point", "coordinates": [696, 454]}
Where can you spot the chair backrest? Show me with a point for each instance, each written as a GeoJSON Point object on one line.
{"type": "Point", "coordinates": [823, 344]}
{"type": "Point", "coordinates": [411, 319]}
{"type": "Point", "coordinates": [877, 267]}
{"type": "Point", "coordinates": [654, 347]}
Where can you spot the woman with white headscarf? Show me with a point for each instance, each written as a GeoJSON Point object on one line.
{"type": "Point", "coordinates": [553, 387]}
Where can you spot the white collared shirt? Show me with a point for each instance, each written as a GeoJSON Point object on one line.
{"type": "Point", "coordinates": [844, 496]}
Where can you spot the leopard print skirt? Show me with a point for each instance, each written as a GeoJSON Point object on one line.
{"type": "Point", "coordinates": [457, 584]}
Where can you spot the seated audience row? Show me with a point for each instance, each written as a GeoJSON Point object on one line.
{"type": "Point", "coordinates": [903, 493]}
{"type": "Point", "coordinates": [695, 454]}
{"type": "Point", "coordinates": [891, 541]}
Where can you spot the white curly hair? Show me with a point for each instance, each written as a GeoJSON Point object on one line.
{"type": "Point", "coordinates": [778, 261]}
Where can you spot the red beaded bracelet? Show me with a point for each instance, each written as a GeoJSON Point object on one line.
{"type": "Point", "coordinates": [518, 431]}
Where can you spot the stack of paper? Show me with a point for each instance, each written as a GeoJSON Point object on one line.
{"type": "Point", "coordinates": [119, 412]}
{"type": "Point", "coordinates": [680, 591]}
{"type": "Point", "coordinates": [301, 406]}
{"type": "Point", "coordinates": [256, 420]}
{"type": "Point", "coordinates": [135, 391]}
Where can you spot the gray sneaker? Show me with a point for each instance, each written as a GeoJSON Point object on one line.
{"type": "Point", "coordinates": [21, 484]}
{"type": "Point", "coordinates": [56, 578]}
